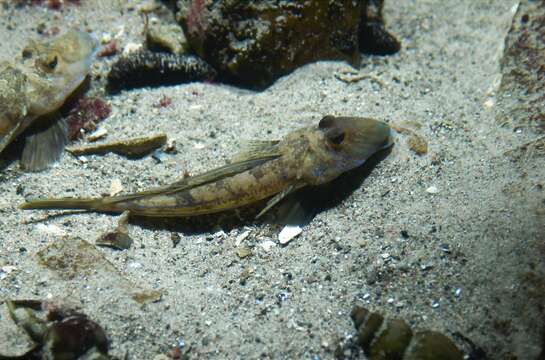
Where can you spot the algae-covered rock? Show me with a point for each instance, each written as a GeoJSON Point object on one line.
{"type": "Point", "coordinates": [252, 43]}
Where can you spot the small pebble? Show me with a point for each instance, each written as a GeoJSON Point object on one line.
{"type": "Point", "coordinates": [417, 144]}
{"type": "Point", "coordinates": [175, 238]}
{"type": "Point", "coordinates": [267, 245]}
{"type": "Point", "coordinates": [444, 248]}
{"type": "Point", "coordinates": [243, 252]}
{"type": "Point", "coordinates": [170, 146]}
{"type": "Point", "coordinates": [288, 233]}
{"type": "Point", "coordinates": [457, 292]}
{"type": "Point", "coordinates": [115, 187]}
{"type": "Point", "coordinates": [240, 238]}
{"type": "Point", "coordinates": [432, 190]}
{"type": "Point", "coordinates": [435, 304]}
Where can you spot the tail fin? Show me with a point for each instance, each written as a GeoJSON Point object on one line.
{"type": "Point", "coordinates": [65, 203]}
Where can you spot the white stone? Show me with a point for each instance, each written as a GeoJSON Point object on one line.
{"type": "Point", "coordinates": [288, 233]}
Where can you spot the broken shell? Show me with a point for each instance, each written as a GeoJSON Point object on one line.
{"type": "Point", "coordinates": [119, 238]}
{"type": "Point", "coordinates": [115, 187]}
{"type": "Point", "coordinates": [98, 134]}
{"type": "Point", "coordinates": [432, 190]}
{"type": "Point", "coordinates": [267, 245]}
{"type": "Point", "coordinates": [288, 233]}
{"type": "Point", "coordinates": [115, 239]}
{"type": "Point", "coordinates": [133, 147]}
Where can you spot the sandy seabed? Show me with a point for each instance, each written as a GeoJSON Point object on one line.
{"type": "Point", "coordinates": [466, 257]}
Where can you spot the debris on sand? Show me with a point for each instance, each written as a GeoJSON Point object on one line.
{"type": "Point", "coordinates": [133, 147]}
{"type": "Point", "coordinates": [56, 331]}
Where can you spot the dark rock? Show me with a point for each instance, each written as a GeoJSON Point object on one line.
{"type": "Point", "coordinates": [252, 43]}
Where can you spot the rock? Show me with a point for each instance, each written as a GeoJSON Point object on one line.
{"type": "Point", "coordinates": [169, 37]}
{"type": "Point", "coordinates": [252, 43]}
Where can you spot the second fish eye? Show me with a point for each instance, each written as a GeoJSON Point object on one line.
{"type": "Point", "coordinates": [336, 137]}
{"type": "Point", "coordinates": [53, 63]}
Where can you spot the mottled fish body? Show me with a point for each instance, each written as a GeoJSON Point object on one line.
{"type": "Point", "coordinates": [268, 169]}
{"type": "Point", "coordinates": [32, 91]}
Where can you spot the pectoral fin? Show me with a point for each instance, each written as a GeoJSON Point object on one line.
{"type": "Point", "coordinates": [44, 145]}
{"type": "Point", "coordinates": [256, 149]}
{"type": "Point", "coordinates": [278, 198]}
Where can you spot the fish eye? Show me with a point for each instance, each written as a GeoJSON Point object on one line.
{"type": "Point", "coordinates": [52, 64]}
{"type": "Point", "coordinates": [335, 136]}
{"type": "Point", "coordinates": [27, 53]}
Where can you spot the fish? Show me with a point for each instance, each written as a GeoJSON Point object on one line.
{"type": "Point", "coordinates": [33, 89]}
{"type": "Point", "coordinates": [266, 169]}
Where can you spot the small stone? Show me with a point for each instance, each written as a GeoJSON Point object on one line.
{"type": "Point", "coordinates": [105, 38]}
{"type": "Point", "coordinates": [170, 145]}
{"type": "Point", "coordinates": [175, 238]}
{"type": "Point", "coordinates": [445, 248]}
{"type": "Point", "coordinates": [432, 190]}
{"type": "Point", "coordinates": [288, 233]}
{"type": "Point", "coordinates": [115, 187]}
{"type": "Point", "coordinates": [426, 266]}
{"type": "Point", "coordinates": [458, 292]}
{"type": "Point", "coordinates": [243, 252]}
{"type": "Point", "coordinates": [372, 277]}
{"type": "Point", "coordinates": [5, 270]}
{"type": "Point", "coordinates": [267, 245]}
{"type": "Point", "coordinates": [489, 103]}
{"type": "Point", "coordinates": [417, 144]}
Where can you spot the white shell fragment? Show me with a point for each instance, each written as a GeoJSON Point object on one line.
{"type": "Point", "coordinates": [240, 238]}
{"type": "Point", "coordinates": [5, 270]}
{"type": "Point", "coordinates": [98, 134]}
{"type": "Point", "coordinates": [115, 187]}
{"type": "Point", "coordinates": [432, 190]}
{"type": "Point", "coordinates": [288, 233]}
{"type": "Point", "coordinates": [267, 245]}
